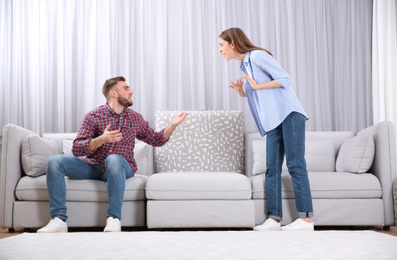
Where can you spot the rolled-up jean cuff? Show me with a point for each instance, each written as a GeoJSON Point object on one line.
{"type": "Point", "coordinates": [306, 214]}
{"type": "Point", "coordinates": [274, 217]}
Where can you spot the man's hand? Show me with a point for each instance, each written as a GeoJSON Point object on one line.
{"type": "Point", "coordinates": [106, 137]}
{"type": "Point", "coordinates": [111, 136]}
{"type": "Point", "coordinates": [177, 120]}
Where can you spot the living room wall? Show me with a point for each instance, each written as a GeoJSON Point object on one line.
{"type": "Point", "coordinates": [55, 56]}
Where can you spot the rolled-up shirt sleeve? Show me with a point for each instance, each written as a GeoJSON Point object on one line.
{"type": "Point", "coordinates": [81, 144]}
{"type": "Point", "coordinates": [149, 135]}
{"type": "Point", "coordinates": [268, 63]}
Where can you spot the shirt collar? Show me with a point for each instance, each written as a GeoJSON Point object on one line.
{"type": "Point", "coordinates": [110, 110]}
{"type": "Point", "coordinates": [246, 59]}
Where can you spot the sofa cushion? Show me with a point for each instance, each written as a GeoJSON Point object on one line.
{"type": "Point", "coordinates": [356, 154]}
{"type": "Point", "coordinates": [35, 189]}
{"type": "Point", "coordinates": [326, 185]}
{"type": "Point", "coordinates": [67, 146]}
{"type": "Point", "coordinates": [320, 156]}
{"type": "Point", "coordinates": [198, 186]}
{"type": "Point", "coordinates": [211, 141]}
{"type": "Point", "coordinates": [35, 153]}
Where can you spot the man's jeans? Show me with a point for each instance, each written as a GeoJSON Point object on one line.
{"type": "Point", "coordinates": [288, 138]}
{"type": "Point", "coordinates": [59, 166]}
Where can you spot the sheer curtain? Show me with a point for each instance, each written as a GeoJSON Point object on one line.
{"type": "Point", "coordinates": [385, 61]}
{"type": "Point", "coordinates": [55, 56]}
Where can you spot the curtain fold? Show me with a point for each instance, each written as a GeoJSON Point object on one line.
{"type": "Point", "coordinates": [55, 56]}
{"type": "Point", "coordinates": [384, 67]}
{"type": "Point", "coordinates": [384, 61]}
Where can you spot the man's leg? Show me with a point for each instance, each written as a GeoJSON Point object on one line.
{"type": "Point", "coordinates": [117, 171]}
{"type": "Point", "coordinates": [58, 167]}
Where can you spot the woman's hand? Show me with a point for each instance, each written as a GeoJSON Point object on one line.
{"type": "Point", "coordinates": [251, 81]}
{"type": "Point", "coordinates": [256, 86]}
{"type": "Point", "coordinates": [238, 86]}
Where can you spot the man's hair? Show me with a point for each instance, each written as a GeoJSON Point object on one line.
{"type": "Point", "coordinates": [109, 83]}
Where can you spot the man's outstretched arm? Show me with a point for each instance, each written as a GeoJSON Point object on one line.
{"type": "Point", "coordinates": [170, 129]}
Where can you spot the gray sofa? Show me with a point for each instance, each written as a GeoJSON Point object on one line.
{"type": "Point", "coordinates": [197, 180]}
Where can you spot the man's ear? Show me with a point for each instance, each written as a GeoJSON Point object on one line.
{"type": "Point", "coordinates": [113, 93]}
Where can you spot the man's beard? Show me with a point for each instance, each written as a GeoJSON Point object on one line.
{"type": "Point", "coordinates": [124, 101]}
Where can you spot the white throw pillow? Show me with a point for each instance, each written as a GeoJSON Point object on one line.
{"type": "Point", "coordinates": [141, 152]}
{"type": "Point", "coordinates": [67, 146]}
{"type": "Point", "coordinates": [259, 148]}
{"type": "Point", "coordinates": [35, 153]}
{"type": "Point", "coordinates": [356, 154]}
{"type": "Point", "coordinates": [320, 156]}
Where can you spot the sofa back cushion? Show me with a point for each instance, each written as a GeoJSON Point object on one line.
{"type": "Point", "coordinates": [35, 153]}
{"type": "Point", "coordinates": [320, 156]}
{"type": "Point", "coordinates": [356, 154]}
{"type": "Point", "coordinates": [211, 141]}
{"type": "Point", "coordinates": [322, 149]}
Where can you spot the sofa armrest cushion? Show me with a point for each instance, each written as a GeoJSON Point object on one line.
{"type": "Point", "coordinates": [320, 156]}
{"type": "Point", "coordinates": [356, 154]}
{"type": "Point", "coordinates": [35, 153]}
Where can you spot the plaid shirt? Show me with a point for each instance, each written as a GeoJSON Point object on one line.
{"type": "Point", "coordinates": [131, 124]}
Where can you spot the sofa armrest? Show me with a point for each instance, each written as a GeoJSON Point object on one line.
{"type": "Point", "coordinates": [384, 164]}
{"type": "Point", "coordinates": [11, 170]}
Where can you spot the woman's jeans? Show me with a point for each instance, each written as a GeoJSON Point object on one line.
{"type": "Point", "coordinates": [289, 139]}
{"type": "Point", "coordinates": [59, 166]}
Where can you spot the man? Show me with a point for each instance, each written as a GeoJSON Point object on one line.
{"type": "Point", "coordinates": [106, 139]}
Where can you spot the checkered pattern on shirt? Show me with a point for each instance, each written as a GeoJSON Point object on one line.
{"type": "Point", "coordinates": [131, 124]}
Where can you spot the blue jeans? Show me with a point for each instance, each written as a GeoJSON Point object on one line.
{"type": "Point", "coordinates": [289, 139]}
{"type": "Point", "coordinates": [59, 166]}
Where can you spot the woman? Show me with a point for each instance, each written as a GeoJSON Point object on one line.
{"type": "Point", "coordinates": [279, 115]}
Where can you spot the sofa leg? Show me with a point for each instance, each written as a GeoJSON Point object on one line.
{"type": "Point", "coordinates": [380, 228]}
{"type": "Point", "coordinates": [11, 230]}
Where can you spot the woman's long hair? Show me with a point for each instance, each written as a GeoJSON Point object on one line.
{"type": "Point", "coordinates": [240, 40]}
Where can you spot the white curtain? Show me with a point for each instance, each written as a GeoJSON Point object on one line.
{"type": "Point", "coordinates": [56, 54]}
{"type": "Point", "coordinates": [384, 57]}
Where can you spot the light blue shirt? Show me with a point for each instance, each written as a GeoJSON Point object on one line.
{"type": "Point", "coordinates": [271, 106]}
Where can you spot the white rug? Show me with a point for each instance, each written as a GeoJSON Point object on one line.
{"type": "Point", "coordinates": [201, 245]}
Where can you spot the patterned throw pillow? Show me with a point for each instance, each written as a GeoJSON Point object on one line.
{"type": "Point", "coordinates": [205, 141]}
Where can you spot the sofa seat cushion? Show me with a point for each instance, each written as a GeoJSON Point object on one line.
{"type": "Point", "coordinates": [326, 185]}
{"type": "Point", "coordinates": [35, 189]}
{"type": "Point", "coordinates": [198, 186]}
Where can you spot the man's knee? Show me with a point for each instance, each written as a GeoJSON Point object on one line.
{"type": "Point", "coordinates": [114, 159]}
{"type": "Point", "coordinates": [55, 161]}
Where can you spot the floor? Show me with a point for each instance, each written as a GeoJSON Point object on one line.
{"type": "Point", "coordinates": [392, 231]}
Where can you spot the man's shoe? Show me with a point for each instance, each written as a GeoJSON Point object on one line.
{"type": "Point", "coordinates": [56, 225]}
{"type": "Point", "coordinates": [269, 225]}
{"type": "Point", "coordinates": [112, 225]}
{"type": "Point", "coordinates": [299, 225]}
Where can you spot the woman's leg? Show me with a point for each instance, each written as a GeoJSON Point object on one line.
{"type": "Point", "coordinates": [274, 162]}
{"type": "Point", "coordinates": [294, 144]}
